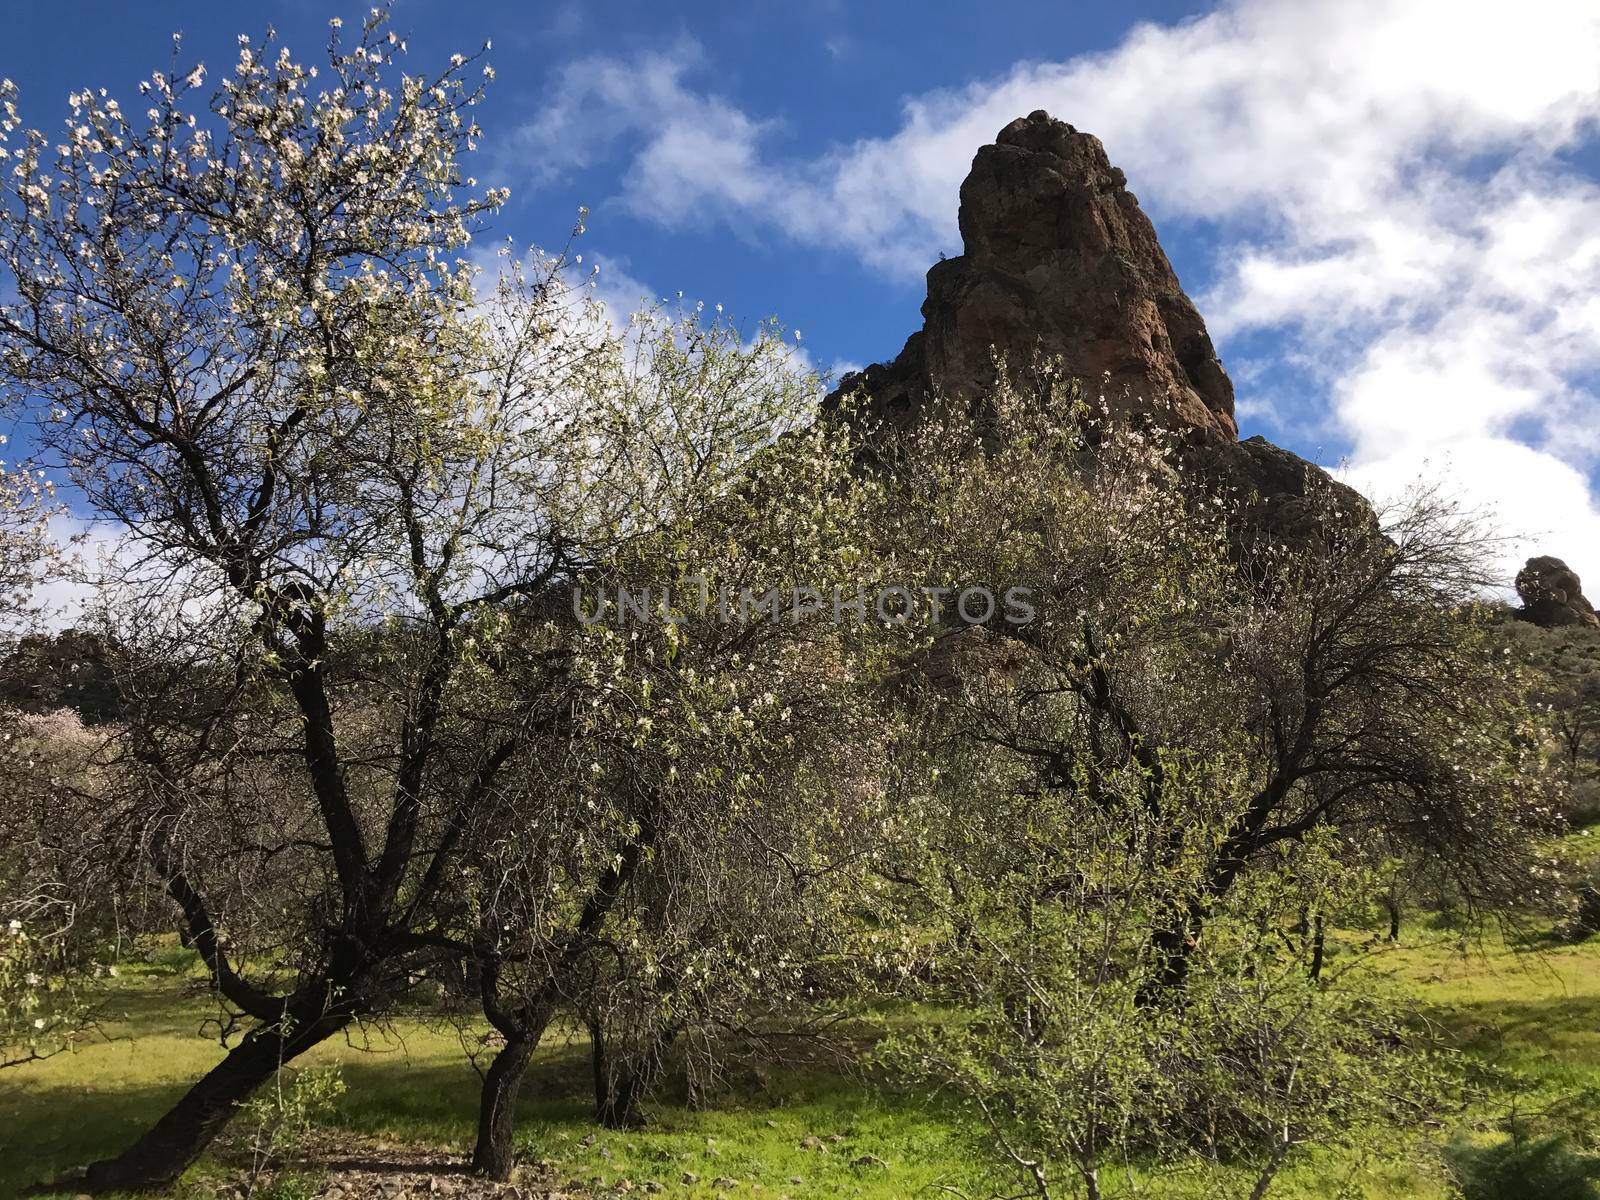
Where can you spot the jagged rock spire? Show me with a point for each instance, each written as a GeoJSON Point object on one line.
{"type": "Point", "coordinates": [1059, 260]}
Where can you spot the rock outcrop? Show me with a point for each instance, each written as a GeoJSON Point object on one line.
{"type": "Point", "coordinates": [1061, 262]}
{"type": "Point", "coordinates": [1552, 595]}
{"type": "Point", "coordinates": [1273, 493]}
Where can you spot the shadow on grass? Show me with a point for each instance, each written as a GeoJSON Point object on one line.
{"type": "Point", "coordinates": [47, 1130]}
{"type": "Point", "coordinates": [1479, 1026]}
{"type": "Point", "coordinates": [50, 1130]}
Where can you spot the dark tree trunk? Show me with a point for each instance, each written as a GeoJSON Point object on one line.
{"type": "Point", "coordinates": [522, 1027]}
{"type": "Point", "coordinates": [1173, 945]}
{"type": "Point", "coordinates": [171, 1145]}
{"type": "Point", "coordinates": [601, 1067]}
{"type": "Point", "coordinates": [1318, 945]}
{"type": "Point", "coordinates": [1171, 965]}
{"type": "Point", "coordinates": [502, 1083]}
{"type": "Point", "coordinates": [623, 1105]}
{"type": "Point", "coordinates": [621, 1090]}
{"type": "Point", "coordinates": [619, 1097]}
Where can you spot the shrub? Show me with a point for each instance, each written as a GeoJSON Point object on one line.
{"type": "Point", "coordinates": [1523, 1168]}
{"type": "Point", "coordinates": [1582, 918]}
{"type": "Point", "coordinates": [279, 1118]}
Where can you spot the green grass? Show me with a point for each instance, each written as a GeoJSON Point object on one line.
{"type": "Point", "coordinates": [1528, 1024]}
{"type": "Point", "coordinates": [411, 1082]}
{"type": "Point", "coordinates": [767, 1144]}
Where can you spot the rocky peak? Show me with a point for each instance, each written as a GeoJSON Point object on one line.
{"type": "Point", "coordinates": [1552, 595]}
{"type": "Point", "coordinates": [1059, 260]}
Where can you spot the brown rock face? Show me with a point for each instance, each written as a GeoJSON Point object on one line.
{"type": "Point", "coordinates": [1273, 493]}
{"type": "Point", "coordinates": [1060, 260]}
{"type": "Point", "coordinates": [1552, 595]}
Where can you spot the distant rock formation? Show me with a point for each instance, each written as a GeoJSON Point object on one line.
{"type": "Point", "coordinates": [70, 669]}
{"type": "Point", "coordinates": [1061, 262]}
{"type": "Point", "coordinates": [1060, 259]}
{"type": "Point", "coordinates": [1552, 595]}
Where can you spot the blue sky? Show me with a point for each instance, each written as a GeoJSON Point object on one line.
{"type": "Point", "coordinates": [1388, 210]}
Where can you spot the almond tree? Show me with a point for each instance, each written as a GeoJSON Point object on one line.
{"type": "Point", "coordinates": [1117, 817]}
{"type": "Point", "coordinates": [40, 926]}
{"type": "Point", "coordinates": [347, 481]}
{"type": "Point", "coordinates": [665, 856]}
{"type": "Point", "coordinates": [1346, 666]}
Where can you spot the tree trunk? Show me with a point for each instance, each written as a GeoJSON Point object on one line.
{"type": "Point", "coordinates": [602, 1068]}
{"type": "Point", "coordinates": [523, 1027]}
{"type": "Point", "coordinates": [1173, 944]}
{"type": "Point", "coordinates": [171, 1145]}
{"type": "Point", "coordinates": [622, 1104]}
{"type": "Point", "coordinates": [619, 1092]}
{"type": "Point", "coordinates": [1270, 1171]}
{"type": "Point", "coordinates": [1318, 945]}
{"type": "Point", "coordinates": [497, 1110]}
{"type": "Point", "coordinates": [1302, 927]}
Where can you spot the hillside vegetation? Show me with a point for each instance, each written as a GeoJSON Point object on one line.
{"type": "Point", "coordinates": [518, 751]}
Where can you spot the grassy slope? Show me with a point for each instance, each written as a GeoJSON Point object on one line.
{"type": "Point", "coordinates": [1530, 1025]}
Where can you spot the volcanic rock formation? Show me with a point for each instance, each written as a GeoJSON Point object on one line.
{"type": "Point", "coordinates": [1552, 595]}
{"type": "Point", "coordinates": [1061, 263]}
{"type": "Point", "coordinates": [1060, 260]}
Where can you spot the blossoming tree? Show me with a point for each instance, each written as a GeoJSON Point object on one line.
{"type": "Point", "coordinates": [352, 480]}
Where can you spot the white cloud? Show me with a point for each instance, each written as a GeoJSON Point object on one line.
{"type": "Point", "coordinates": [693, 142]}
{"type": "Point", "coordinates": [1386, 182]}
{"type": "Point", "coordinates": [95, 558]}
